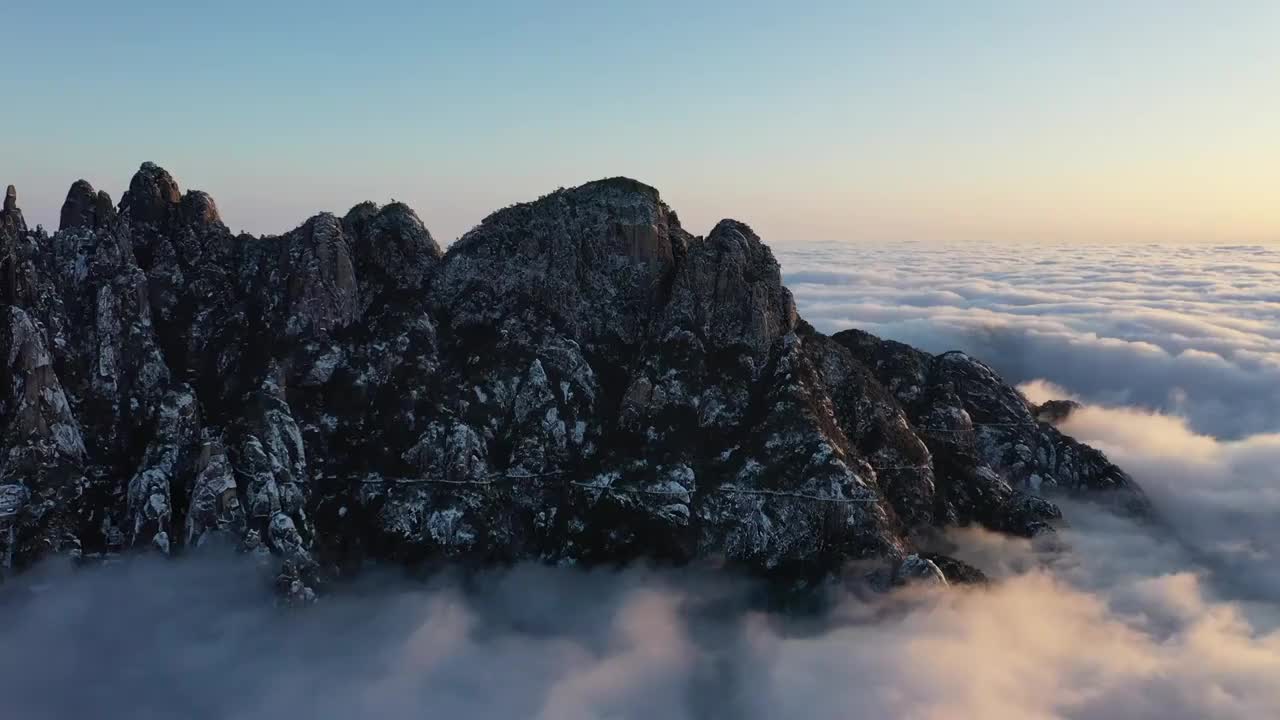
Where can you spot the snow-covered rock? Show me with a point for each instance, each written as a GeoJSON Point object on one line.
{"type": "Point", "coordinates": [578, 379]}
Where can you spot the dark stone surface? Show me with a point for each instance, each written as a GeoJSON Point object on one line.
{"type": "Point", "coordinates": [80, 209]}
{"type": "Point", "coordinates": [1056, 412]}
{"type": "Point", "coordinates": [577, 380]}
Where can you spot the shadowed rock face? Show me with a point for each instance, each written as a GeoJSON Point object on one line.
{"type": "Point", "coordinates": [578, 379]}
{"type": "Point", "coordinates": [198, 208]}
{"type": "Point", "coordinates": [11, 221]}
{"type": "Point", "coordinates": [594, 263]}
{"type": "Point", "coordinates": [85, 208]}
{"type": "Point", "coordinates": [1056, 411]}
{"type": "Point", "coordinates": [152, 196]}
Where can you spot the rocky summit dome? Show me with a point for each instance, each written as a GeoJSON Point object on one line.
{"type": "Point", "coordinates": [577, 380]}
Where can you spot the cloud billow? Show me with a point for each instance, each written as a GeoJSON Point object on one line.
{"type": "Point", "coordinates": [1117, 634]}
{"type": "Point", "coordinates": [1187, 330]}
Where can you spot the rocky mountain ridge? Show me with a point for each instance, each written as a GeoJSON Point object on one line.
{"type": "Point", "coordinates": [578, 379]}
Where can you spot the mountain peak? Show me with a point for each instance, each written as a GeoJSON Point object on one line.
{"type": "Point", "coordinates": [86, 208]}
{"type": "Point", "coordinates": [578, 379]}
{"type": "Point", "coordinates": [152, 196]}
{"type": "Point", "coordinates": [620, 184]}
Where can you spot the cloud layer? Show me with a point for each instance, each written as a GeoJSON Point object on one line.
{"type": "Point", "coordinates": [1189, 330]}
{"type": "Point", "coordinates": [1110, 631]}
{"type": "Point", "coordinates": [1173, 351]}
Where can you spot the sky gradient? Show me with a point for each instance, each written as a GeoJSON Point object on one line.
{"type": "Point", "coordinates": [835, 121]}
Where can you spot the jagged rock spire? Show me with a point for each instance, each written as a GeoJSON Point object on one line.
{"type": "Point", "coordinates": [86, 208]}
{"type": "Point", "coordinates": [11, 222]}
{"type": "Point", "coordinates": [392, 250]}
{"type": "Point", "coordinates": [198, 207]}
{"type": "Point", "coordinates": [729, 289]}
{"type": "Point", "coordinates": [152, 196]}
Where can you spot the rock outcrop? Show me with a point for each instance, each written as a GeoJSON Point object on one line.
{"type": "Point", "coordinates": [11, 200]}
{"type": "Point", "coordinates": [85, 208]}
{"type": "Point", "coordinates": [577, 380]}
{"type": "Point", "coordinates": [1055, 412]}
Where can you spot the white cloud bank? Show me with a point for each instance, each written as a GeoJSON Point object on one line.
{"type": "Point", "coordinates": [1174, 619]}
{"type": "Point", "coordinates": [1188, 330]}
{"type": "Point", "coordinates": [1119, 635]}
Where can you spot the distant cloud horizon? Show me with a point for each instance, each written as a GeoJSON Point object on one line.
{"type": "Point", "coordinates": [1186, 330]}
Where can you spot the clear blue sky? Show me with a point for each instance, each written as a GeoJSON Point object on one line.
{"type": "Point", "coordinates": [820, 120]}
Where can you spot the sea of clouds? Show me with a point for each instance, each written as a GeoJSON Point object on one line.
{"type": "Point", "coordinates": [1175, 353]}
{"type": "Point", "coordinates": [1191, 330]}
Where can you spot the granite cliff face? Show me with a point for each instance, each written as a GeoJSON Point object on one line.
{"type": "Point", "coordinates": [578, 379]}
